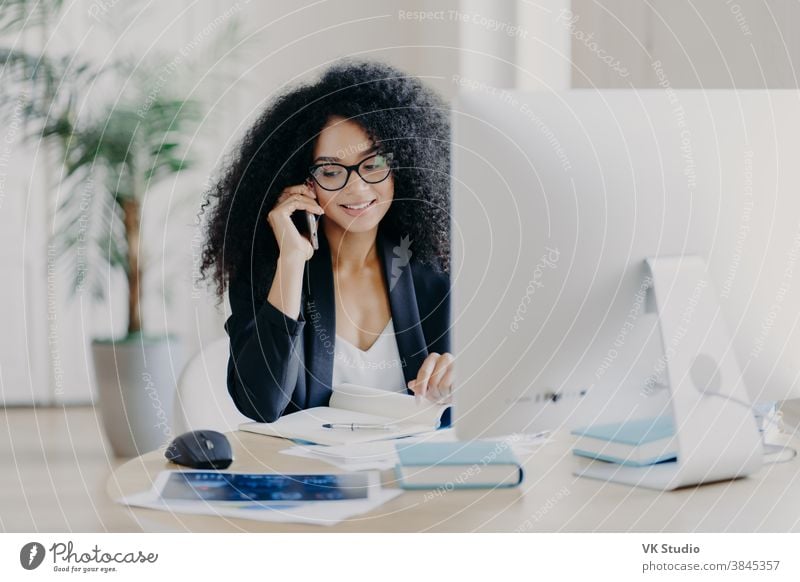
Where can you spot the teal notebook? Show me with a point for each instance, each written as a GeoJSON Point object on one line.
{"type": "Point", "coordinates": [640, 442]}
{"type": "Point", "coordinates": [457, 465]}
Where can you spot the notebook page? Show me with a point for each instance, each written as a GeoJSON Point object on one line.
{"type": "Point", "coordinates": [307, 425]}
{"type": "Point", "coordinates": [402, 408]}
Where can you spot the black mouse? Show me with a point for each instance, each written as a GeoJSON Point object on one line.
{"type": "Point", "coordinates": [200, 449]}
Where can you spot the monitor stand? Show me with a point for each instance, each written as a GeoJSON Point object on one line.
{"type": "Point", "coordinates": [717, 435]}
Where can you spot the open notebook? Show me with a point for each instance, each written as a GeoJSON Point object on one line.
{"type": "Point", "coordinates": [351, 403]}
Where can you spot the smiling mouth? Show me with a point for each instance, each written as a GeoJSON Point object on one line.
{"type": "Point", "coordinates": [361, 206]}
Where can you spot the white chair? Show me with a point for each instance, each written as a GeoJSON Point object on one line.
{"type": "Point", "coordinates": [202, 400]}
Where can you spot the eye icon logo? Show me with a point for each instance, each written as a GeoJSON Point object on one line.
{"type": "Point", "coordinates": [31, 555]}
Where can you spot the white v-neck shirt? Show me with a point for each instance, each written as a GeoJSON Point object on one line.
{"type": "Point", "coordinates": [378, 367]}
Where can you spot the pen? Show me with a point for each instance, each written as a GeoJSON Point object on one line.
{"type": "Point", "coordinates": [357, 426]}
{"type": "Point", "coordinates": [533, 436]}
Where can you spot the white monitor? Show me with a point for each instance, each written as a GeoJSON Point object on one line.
{"type": "Point", "coordinates": [558, 199]}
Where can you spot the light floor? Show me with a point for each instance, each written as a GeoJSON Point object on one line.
{"type": "Point", "coordinates": [55, 463]}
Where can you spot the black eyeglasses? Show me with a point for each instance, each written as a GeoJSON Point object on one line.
{"type": "Point", "coordinates": [332, 176]}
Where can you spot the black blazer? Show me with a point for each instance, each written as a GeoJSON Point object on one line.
{"type": "Point", "coordinates": [280, 365]}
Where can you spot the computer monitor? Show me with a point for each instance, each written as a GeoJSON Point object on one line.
{"type": "Point", "coordinates": [558, 200]}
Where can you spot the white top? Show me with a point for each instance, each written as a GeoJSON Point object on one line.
{"type": "Point", "coordinates": [379, 367]}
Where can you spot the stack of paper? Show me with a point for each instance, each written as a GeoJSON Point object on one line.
{"type": "Point", "coordinates": [382, 455]}
{"type": "Point", "coordinates": [356, 457]}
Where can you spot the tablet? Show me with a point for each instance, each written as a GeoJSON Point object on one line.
{"type": "Point", "coordinates": [219, 486]}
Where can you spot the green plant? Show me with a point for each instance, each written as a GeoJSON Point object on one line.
{"type": "Point", "coordinates": [116, 150]}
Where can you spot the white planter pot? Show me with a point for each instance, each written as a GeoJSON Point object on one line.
{"type": "Point", "coordinates": [136, 379]}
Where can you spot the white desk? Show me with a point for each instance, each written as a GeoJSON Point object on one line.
{"type": "Point", "coordinates": [551, 499]}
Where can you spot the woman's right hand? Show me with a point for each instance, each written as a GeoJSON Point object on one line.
{"type": "Point", "coordinates": [291, 243]}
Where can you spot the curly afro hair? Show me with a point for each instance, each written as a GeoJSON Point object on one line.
{"type": "Point", "coordinates": [399, 114]}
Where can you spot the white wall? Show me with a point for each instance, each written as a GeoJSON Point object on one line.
{"type": "Point", "coordinates": [714, 44]}
{"type": "Point", "coordinates": [544, 48]}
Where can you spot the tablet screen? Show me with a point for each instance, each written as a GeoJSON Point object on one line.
{"type": "Point", "coordinates": [220, 486]}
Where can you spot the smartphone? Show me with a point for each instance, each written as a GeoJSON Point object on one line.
{"type": "Point", "coordinates": [311, 220]}
{"type": "Point", "coordinates": [306, 224]}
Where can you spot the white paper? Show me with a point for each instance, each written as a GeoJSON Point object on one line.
{"type": "Point", "coordinates": [382, 455]}
{"type": "Point", "coordinates": [523, 444]}
{"type": "Point", "coordinates": [401, 408]}
{"type": "Point", "coordinates": [357, 457]}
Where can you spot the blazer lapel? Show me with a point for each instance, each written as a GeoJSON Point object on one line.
{"type": "Point", "coordinates": [403, 303]}
{"type": "Point", "coordinates": [321, 317]}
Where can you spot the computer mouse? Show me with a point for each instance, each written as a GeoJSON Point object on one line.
{"type": "Point", "coordinates": [200, 449]}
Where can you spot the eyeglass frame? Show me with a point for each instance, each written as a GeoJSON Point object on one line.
{"type": "Point", "coordinates": [353, 168]}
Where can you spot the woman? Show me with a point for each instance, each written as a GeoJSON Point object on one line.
{"type": "Point", "coordinates": [365, 149]}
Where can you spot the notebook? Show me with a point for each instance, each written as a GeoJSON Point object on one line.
{"type": "Point", "coordinates": [457, 465]}
{"type": "Point", "coordinates": [637, 443]}
{"type": "Point", "coordinates": [351, 403]}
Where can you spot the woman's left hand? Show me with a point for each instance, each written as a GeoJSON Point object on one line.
{"type": "Point", "coordinates": [435, 378]}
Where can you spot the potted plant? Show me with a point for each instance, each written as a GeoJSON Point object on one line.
{"type": "Point", "coordinates": [134, 149]}
{"type": "Point", "coordinates": [117, 151]}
